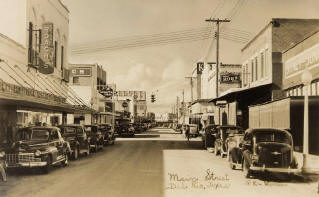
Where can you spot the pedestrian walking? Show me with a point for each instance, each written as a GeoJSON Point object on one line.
{"type": "Point", "coordinates": [2, 171]}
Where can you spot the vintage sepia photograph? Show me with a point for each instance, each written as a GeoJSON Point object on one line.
{"type": "Point", "coordinates": [159, 98]}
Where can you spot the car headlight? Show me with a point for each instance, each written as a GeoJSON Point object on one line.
{"type": "Point", "coordinates": [2, 153]}
{"type": "Point", "coordinates": [37, 153]}
{"type": "Point", "coordinates": [254, 157]}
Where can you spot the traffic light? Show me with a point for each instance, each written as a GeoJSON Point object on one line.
{"type": "Point", "coordinates": [153, 98]}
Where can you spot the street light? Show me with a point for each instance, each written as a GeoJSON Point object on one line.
{"type": "Point", "coordinates": [306, 79]}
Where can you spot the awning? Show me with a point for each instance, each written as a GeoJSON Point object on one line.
{"type": "Point", "coordinates": [255, 94]}
{"type": "Point", "coordinates": [24, 89]}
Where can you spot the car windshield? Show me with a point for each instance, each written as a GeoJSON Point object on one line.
{"type": "Point", "coordinates": [229, 130]}
{"type": "Point", "coordinates": [67, 130]}
{"type": "Point", "coordinates": [36, 134]}
{"type": "Point", "coordinates": [270, 136]}
{"type": "Point", "coordinates": [90, 129]}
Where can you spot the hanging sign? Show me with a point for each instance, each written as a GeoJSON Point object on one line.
{"type": "Point", "coordinates": [47, 49]}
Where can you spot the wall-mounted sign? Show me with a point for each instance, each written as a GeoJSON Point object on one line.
{"type": "Point", "coordinates": [124, 104]}
{"type": "Point", "coordinates": [47, 49]}
{"type": "Point", "coordinates": [83, 72]}
{"type": "Point", "coordinates": [307, 59]}
{"type": "Point", "coordinates": [200, 67]}
{"type": "Point", "coordinates": [230, 77]}
{"type": "Point", "coordinates": [106, 91]}
{"type": "Point", "coordinates": [221, 103]}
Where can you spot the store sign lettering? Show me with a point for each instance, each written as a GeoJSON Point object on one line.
{"type": "Point", "coordinates": [307, 59]}
{"type": "Point", "coordinates": [230, 78]}
{"type": "Point", "coordinates": [81, 72]}
{"type": "Point", "coordinates": [47, 49]}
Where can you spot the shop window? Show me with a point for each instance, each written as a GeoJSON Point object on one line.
{"type": "Point", "coordinates": [76, 80]}
{"type": "Point", "coordinates": [256, 69]}
{"type": "Point", "coordinates": [62, 57]}
{"type": "Point", "coordinates": [266, 63]}
{"type": "Point", "coordinates": [252, 71]}
{"type": "Point", "coordinates": [299, 91]}
{"type": "Point", "coordinates": [262, 66]}
{"type": "Point", "coordinates": [55, 53]}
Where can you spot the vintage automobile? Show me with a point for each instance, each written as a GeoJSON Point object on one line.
{"type": "Point", "coordinates": [126, 130]}
{"type": "Point", "coordinates": [220, 145]}
{"type": "Point", "coordinates": [77, 139]}
{"type": "Point", "coordinates": [193, 130]}
{"type": "Point", "coordinates": [208, 137]}
{"type": "Point", "coordinates": [138, 127]}
{"type": "Point", "coordinates": [95, 136]}
{"type": "Point", "coordinates": [264, 150]}
{"type": "Point", "coordinates": [179, 128]}
{"type": "Point", "coordinates": [37, 146]}
{"type": "Point", "coordinates": [108, 133]}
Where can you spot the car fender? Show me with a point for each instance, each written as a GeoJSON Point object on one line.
{"type": "Point", "coordinates": [246, 155]}
{"type": "Point", "coordinates": [236, 155]}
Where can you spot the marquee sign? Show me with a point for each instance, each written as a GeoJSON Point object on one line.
{"type": "Point", "coordinates": [47, 49]}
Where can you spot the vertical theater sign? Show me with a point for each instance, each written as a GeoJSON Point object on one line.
{"type": "Point", "coordinates": [47, 49]}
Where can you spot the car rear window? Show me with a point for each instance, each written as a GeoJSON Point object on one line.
{"type": "Point", "coordinates": [270, 136]}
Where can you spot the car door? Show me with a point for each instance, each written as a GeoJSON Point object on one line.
{"type": "Point", "coordinates": [55, 141]}
{"type": "Point", "coordinates": [82, 137]}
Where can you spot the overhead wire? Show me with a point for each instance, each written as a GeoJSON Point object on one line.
{"type": "Point", "coordinates": [191, 37]}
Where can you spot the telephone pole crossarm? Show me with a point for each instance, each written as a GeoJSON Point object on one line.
{"type": "Point", "coordinates": [217, 21]}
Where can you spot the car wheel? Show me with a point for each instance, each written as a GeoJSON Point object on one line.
{"type": "Point", "coordinates": [88, 150]}
{"type": "Point", "coordinates": [47, 168]}
{"type": "Point", "coordinates": [75, 153]}
{"type": "Point", "coordinates": [215, 150]}
{"type": "Point", "coordinates": [96, 147]}
{"type": "Point", "coordinates": [230, 160]}
{"type": "Point", "coordinates": [205, 143]}
{"type": "Point", "coordinates": [66, 161]}
{"type": "Point", "coordinates": [246, 170]}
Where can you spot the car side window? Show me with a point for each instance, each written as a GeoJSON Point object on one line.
{"type": "Point", "coordinates": [54, 135]}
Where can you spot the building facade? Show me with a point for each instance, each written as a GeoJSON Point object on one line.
{"type": "Point", "coordinates": [34, 76]}
{"type": "Point", "coordinates": [88, 81]}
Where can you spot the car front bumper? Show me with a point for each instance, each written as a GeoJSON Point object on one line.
{"type": "Point", "coordinates": [26, 164]}
{"type": "Point", "coordinates": [279, 170]}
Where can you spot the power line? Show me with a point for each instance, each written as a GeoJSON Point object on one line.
{"type": "Point", "coordinates": [192, 37]}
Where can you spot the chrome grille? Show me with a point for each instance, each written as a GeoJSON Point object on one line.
{"type": "Point", "coordinates": [22, 157]}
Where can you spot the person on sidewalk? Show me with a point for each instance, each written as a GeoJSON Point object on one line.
{"type": "Point", "coordinates": [2, 170]}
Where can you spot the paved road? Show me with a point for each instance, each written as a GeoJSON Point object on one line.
{"type": "Point", "coordinates": [159, 163]}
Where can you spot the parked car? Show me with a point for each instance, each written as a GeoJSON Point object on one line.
{"type": "Point", "coordinates": [138, 127]}
{"type": "Point", "coordinates": [193, 130]}
{"type": "Point", "coordinates": [126, 130]}
{"type": "Point", "coordinates": [179, 128]}
{"type": "Point", "coordinates": [77, 138]}
{"type": "Point", "coordinates": [37, 147]}
{"type": "Point", "coordinates": [264, 150]}
{"type": "Point", "coordinates": [95, 136]}
{"type": "Point", "coordinates": [108, 133]}
{"type": "Point", "coordinates": [221, 135]}
{"type": "Point", "coordinates": [208, 137]}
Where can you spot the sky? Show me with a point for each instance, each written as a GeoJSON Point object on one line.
{"type": "Point", "coordinates": [162, 68]}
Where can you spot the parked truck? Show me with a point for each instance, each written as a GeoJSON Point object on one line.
{"type": "Point", "coordinates": [288, 114]}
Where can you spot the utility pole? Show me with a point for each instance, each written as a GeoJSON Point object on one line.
{"type": "Point", "coordinates": [183, 108]}
{"type": "Point", "coordinates": [191, 80]}
{"type": "Point", "coordinates": [217, 21]}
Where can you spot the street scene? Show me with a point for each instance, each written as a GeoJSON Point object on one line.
{"type": "Point", "coordinates": [159, 98]}
{"type": "Point", "coordinates": [158, 162]}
